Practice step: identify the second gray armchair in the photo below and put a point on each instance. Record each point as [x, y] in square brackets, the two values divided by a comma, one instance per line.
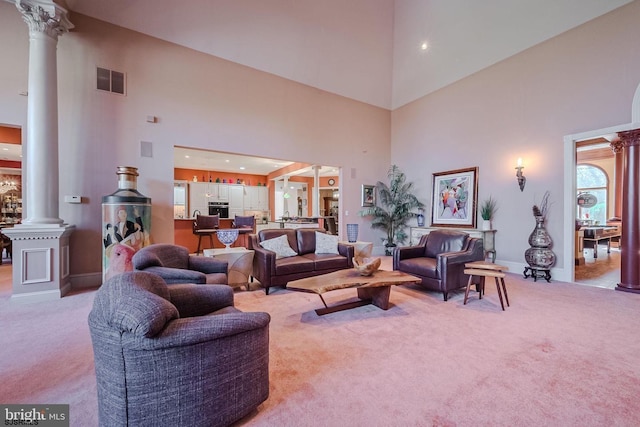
[174, 264]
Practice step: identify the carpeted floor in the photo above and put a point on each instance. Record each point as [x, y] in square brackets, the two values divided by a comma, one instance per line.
[561, 355]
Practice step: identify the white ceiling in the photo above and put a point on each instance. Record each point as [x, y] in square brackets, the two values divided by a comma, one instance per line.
[367, 50]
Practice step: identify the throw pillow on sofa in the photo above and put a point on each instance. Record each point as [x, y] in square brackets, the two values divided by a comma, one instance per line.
[326, 243]
[279, 245]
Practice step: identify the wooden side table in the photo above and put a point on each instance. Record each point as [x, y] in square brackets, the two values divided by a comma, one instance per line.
[482, 270]
[240, 264]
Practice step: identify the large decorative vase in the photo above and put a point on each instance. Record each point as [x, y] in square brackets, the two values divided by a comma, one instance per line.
[540, 255]
[227, 236]
[352, 232]
[126, 223]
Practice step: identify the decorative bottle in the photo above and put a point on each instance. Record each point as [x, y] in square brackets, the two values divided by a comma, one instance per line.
[126, 223]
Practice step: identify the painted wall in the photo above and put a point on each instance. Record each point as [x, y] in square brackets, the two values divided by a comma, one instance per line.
[582, 80]
[200, 101]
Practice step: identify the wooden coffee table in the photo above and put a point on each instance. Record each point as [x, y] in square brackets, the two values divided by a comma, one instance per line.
[374, 289]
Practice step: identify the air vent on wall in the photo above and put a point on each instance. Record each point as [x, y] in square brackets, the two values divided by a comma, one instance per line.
[110, 81]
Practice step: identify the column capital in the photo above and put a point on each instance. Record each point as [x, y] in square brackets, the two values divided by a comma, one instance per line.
[44, 16]
[630, 137]
[616, 146]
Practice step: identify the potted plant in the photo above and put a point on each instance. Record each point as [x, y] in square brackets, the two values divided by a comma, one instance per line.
[488, 209]
[393, 208]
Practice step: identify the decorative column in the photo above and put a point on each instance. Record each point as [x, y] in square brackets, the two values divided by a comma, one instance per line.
[41, 242]
[618, 177]
[316, 191]
[630, 240]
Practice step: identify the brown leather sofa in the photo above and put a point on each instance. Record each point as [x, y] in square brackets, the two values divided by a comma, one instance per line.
[439, 259]
[278, 272]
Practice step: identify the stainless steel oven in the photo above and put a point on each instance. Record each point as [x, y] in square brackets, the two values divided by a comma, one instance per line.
[219, 208]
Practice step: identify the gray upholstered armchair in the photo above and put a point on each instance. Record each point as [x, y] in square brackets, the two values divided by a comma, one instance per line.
[174, 264]
[176, 355]
[439, 259]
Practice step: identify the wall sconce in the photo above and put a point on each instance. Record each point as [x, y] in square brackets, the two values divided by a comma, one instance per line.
[521, 178]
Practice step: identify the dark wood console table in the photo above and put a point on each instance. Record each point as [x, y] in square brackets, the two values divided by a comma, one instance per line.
[594, 235]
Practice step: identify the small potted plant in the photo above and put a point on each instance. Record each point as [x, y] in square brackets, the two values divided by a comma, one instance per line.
[487, 211]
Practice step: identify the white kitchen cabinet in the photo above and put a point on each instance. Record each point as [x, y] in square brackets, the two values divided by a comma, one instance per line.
[221, 192]
[267, 226]
[236, 196]
[256, 198]
[198, 199]
[249, 196]
[263, 199]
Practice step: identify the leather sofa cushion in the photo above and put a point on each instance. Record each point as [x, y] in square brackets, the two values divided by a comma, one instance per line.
[328, 261]
[307, 240]
[421, 266]
[440, 241]
[293, 265]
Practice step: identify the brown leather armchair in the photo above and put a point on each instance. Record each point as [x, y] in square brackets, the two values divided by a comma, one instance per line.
[439, 259]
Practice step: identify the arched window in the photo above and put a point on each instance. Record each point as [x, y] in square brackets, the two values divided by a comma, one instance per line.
[593, 180]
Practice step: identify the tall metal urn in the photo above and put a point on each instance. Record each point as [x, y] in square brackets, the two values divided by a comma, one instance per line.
[126, 223]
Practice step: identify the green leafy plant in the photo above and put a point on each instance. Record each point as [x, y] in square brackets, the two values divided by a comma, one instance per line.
[488, 209]
[393, 209]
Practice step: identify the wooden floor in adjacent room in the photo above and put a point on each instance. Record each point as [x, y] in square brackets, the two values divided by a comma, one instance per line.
[603, 271]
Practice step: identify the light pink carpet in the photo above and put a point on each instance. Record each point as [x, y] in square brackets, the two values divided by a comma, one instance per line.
[561, 355]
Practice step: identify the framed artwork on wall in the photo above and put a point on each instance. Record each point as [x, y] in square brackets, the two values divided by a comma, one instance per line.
[455, 198]
[368, 195]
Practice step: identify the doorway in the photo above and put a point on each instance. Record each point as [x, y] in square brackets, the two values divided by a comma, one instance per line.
[607, 271]
[598, 226]
[10, 185]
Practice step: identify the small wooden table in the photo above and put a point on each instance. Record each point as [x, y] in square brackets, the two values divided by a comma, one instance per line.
[486, 269]
[374, 289]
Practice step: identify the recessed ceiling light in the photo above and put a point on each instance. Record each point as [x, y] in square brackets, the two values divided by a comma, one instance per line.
[5, 149]
[187, 156]
[242, 168]
[424, 46]
[226, 161]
